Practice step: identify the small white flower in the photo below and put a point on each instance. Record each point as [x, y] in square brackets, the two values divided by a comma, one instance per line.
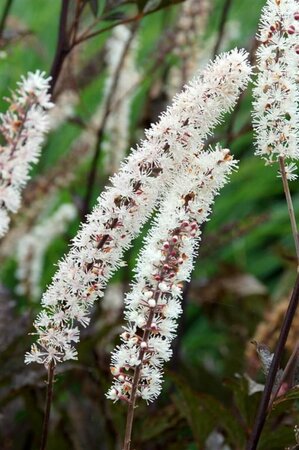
[290, 170]
[23, 128]
[276, 94]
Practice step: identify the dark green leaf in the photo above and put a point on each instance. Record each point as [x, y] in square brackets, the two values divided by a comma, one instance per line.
[204, 413]
[246, 404]
[161, 421]
[277, 440]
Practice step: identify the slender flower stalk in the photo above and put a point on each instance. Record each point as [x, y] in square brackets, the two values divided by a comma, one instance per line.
[23, 127]
[48, 404]
[125, 206]
[276, 124]
[153, 306]
[284, 177]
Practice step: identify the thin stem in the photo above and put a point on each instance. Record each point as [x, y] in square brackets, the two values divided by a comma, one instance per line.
[262, 412]
[132, 403]
[84, 37]
[292, 362]
[48, 404]
[223, 19]
[290, 205]
[137, 371]
[63, 47]
[4, 16]
[287, 374]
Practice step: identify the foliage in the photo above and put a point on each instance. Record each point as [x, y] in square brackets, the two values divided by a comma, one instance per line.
[245, 269]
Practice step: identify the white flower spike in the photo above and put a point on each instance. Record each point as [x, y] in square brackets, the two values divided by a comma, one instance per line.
[276, 94]
[23, 127]
[164, 264]
[124, 207]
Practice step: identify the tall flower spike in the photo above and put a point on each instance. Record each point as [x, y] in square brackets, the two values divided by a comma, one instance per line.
[276, 94]
[23, 127]
[187, 37]
[125, 206]
[153, 306]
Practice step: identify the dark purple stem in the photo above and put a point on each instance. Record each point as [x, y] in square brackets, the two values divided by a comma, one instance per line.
[263, 407]
[63, 47]
[49, 397]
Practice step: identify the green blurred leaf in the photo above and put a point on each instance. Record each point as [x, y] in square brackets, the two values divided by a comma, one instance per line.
[246, 404]
[163, 420]
[277, 439]
[204, 413]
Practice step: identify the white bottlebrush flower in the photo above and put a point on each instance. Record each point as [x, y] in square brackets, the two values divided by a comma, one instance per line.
[121, 51]
[276, 95]
[125, 206]
[32, 247]
[23, 128]
[187, 41]
[153, 306]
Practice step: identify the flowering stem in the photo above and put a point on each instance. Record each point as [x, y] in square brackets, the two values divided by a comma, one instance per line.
[287, 373]
[49, 397]
[294, 356]
[63, 47]
[131, 408]
[143, 349]
[262, 412]
[290, 205]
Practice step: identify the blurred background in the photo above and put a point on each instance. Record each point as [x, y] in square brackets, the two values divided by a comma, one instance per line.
[128, 59]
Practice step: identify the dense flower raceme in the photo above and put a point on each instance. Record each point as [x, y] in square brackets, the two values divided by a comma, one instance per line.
[188, 33]
[61, 175]
[276, 113]
[153, 306]
[23, 127]
[32, 247]
[125, 206]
